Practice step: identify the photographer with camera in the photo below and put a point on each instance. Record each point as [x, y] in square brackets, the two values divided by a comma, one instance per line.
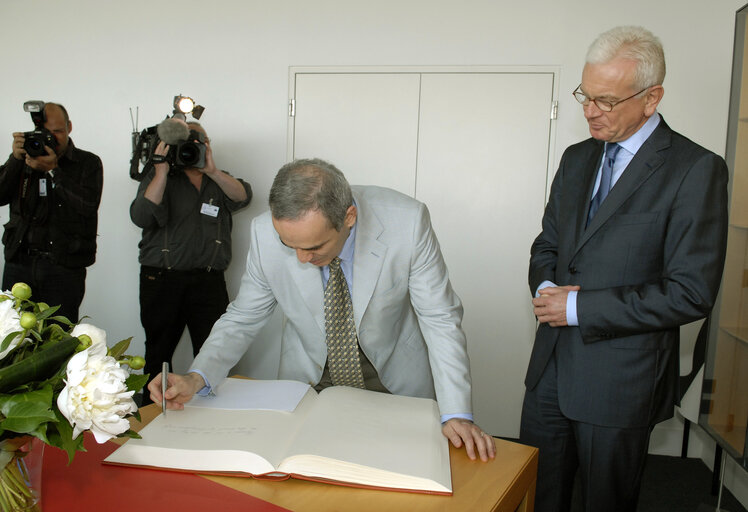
[185, 214]
[54, 190]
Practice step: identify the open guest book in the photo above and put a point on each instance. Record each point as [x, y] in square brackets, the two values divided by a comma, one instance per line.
[342, 435]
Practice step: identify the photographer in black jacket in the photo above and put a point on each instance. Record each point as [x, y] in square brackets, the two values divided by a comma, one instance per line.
[185, 214]
[54, 198]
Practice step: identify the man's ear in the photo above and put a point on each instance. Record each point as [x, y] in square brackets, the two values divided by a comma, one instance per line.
[652, 99]
[350, 216]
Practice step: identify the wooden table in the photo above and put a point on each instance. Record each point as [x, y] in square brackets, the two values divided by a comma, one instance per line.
[505, 484]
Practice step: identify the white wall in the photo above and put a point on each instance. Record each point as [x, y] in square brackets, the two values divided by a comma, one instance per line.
[99, 58]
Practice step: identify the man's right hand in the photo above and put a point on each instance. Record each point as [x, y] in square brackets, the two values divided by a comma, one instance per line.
[180, 390]
[18, 152]
[162, 149]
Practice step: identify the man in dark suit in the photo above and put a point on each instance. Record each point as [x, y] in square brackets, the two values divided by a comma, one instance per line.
[632, 247]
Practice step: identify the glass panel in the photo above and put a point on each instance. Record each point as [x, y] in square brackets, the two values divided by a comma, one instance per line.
[724, 411]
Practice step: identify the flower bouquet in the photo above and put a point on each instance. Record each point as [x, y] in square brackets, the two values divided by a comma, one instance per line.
[57, 380]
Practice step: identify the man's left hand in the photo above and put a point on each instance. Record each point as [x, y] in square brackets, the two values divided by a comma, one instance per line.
[210, 166]
[550, 307]
[464, 432]
[43, 163]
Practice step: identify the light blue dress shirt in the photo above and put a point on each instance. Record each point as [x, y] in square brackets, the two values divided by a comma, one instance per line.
[629, 147]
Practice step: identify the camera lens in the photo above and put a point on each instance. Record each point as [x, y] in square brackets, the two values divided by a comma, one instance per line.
[189, 154]
[34, 147]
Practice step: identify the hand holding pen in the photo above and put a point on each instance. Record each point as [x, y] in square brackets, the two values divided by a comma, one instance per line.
[179, 389]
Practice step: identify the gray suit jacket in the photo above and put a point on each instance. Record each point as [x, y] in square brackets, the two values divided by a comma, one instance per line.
[407, 315]
[650, 261]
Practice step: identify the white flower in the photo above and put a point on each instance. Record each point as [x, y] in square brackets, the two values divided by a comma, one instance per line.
[95, 396]
[9, 322]
[98, 336]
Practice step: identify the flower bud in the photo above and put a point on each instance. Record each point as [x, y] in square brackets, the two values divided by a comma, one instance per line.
[85, 342]
[135, 362]
[28, 320]
[21, 291]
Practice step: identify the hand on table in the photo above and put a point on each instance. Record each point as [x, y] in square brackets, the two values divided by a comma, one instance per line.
[464, 432]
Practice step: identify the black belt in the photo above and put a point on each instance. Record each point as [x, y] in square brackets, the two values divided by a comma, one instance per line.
[191, 272]
[36, 253]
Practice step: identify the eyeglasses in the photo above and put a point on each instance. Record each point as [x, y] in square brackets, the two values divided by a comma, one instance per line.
[604, 105]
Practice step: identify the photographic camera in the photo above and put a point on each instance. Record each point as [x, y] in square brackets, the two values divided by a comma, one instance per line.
[190, 153]
[36, 140]
[187, 148]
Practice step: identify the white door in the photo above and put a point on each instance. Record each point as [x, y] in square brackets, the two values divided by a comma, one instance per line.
[365, 124]
[473, 146]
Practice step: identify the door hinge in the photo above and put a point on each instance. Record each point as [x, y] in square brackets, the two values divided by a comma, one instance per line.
[554, 109]
[292, 108]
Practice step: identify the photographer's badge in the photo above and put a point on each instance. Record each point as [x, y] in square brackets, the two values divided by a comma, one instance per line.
[43, 187]
[209, 209]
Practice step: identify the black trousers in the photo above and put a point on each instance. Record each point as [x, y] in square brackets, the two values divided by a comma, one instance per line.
[172, 300]
[49, 282]
[610, 460]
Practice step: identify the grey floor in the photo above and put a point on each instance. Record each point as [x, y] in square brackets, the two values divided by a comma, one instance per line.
[674, 484]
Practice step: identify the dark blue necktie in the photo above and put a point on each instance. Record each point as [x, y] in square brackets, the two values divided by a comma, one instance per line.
[611, 150]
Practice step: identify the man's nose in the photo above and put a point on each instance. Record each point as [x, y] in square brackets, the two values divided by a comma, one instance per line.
[304, 256]
[591, 110]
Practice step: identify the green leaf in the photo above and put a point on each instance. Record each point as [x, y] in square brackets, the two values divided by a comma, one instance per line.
[62, 320]
[6, 341]
[25, 412]
[54, 332]
[119, 349]
[42, 315]
[41, 432]
[130, 434]
[135, 382]
[61, 436]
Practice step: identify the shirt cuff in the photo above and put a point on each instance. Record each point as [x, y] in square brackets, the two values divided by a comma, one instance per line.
[464, 416]
[544, 284]
[206, 390]
[571, 309]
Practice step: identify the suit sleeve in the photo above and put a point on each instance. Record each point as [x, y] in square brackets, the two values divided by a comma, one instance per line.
[10, 175]
[82, 193]
[692, 252]
[439, 313]
[544, 250]
[234, 332]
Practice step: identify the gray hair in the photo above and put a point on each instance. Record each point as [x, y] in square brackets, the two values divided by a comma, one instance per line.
[634, 43]
[308, 185]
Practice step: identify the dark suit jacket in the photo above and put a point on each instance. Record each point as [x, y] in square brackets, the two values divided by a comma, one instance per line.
[650, 261]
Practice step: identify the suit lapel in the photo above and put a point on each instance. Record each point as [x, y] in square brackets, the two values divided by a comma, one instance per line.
[646, 161]
[581, 205]
[368, 259]
[308, 280]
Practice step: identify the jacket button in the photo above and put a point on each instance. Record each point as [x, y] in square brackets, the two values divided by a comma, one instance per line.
[572, 270]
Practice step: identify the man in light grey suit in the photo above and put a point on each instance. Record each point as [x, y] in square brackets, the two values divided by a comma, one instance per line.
[615, 277]
[407, 317]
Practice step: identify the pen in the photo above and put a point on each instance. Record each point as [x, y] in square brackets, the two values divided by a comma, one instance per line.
[164, 385]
